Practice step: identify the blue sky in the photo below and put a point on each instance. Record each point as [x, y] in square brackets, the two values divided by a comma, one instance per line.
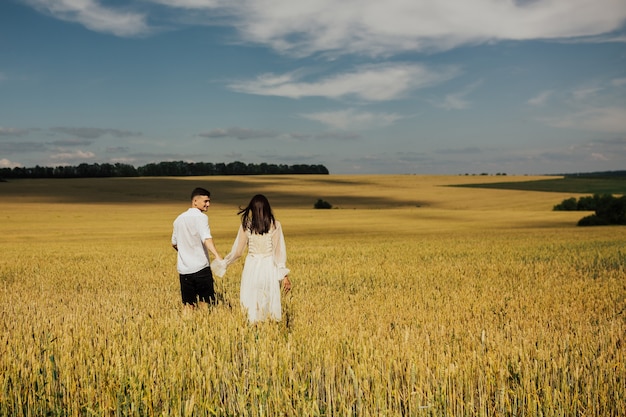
[360, 86]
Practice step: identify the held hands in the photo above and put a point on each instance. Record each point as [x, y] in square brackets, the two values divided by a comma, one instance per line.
[218, 267]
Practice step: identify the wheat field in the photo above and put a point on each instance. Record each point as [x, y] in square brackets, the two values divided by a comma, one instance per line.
[410, 298]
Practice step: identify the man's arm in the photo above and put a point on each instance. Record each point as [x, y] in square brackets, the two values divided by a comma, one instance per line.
[210, 246]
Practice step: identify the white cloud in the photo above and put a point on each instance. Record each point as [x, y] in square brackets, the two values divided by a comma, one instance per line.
[239, 133]
[71, 142]
[454, 102]
[193, 4]
[5, 163]
[12, 131]
[352, 119]
[368, 27]
[460, 151]
[457, 101]
[541, 98]
[369, 82]
[94, 16]
[73, 156]
[599, 157]
[585, 92]
[337, 135]
[372, 27]
[603, 38]
[618, 82]
[93, 132]
[602, 119]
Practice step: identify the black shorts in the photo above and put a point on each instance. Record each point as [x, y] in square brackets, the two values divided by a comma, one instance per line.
[197, 287]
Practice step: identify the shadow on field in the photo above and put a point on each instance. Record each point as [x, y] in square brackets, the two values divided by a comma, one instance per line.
[284, 191]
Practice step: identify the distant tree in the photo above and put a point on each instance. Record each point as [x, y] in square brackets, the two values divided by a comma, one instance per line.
[321, 204]
[125, 170]
[64, 172]
[236, 168]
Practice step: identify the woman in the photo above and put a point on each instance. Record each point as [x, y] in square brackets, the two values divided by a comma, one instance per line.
[264, 268]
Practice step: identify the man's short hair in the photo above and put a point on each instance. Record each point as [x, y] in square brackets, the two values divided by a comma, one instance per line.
[199, 191]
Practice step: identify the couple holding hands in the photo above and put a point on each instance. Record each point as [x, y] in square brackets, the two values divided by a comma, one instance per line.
[264, 269]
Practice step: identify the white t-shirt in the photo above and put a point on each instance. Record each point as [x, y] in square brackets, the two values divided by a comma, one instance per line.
[191, 229]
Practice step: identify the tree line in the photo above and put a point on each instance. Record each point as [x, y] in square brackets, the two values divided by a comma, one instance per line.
[161, 169]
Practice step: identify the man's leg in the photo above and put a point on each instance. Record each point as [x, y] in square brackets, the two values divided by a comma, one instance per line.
[188, 289]
[205, 290]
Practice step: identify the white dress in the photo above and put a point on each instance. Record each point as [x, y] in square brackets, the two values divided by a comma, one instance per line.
[263, 270]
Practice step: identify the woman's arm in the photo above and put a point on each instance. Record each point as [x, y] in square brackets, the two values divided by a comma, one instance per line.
[280, 251]
[238, 246]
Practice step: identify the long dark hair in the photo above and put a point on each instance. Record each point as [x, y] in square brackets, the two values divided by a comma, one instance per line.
[257, 216]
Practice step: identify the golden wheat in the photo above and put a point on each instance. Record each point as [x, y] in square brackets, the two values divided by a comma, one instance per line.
[410, 299]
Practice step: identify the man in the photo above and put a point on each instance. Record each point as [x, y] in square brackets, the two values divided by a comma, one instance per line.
[192, 240]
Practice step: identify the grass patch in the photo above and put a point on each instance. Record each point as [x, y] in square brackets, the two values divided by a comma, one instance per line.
[561, 185]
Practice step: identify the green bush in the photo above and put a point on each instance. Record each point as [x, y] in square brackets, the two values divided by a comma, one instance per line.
[612, 209]
[608, 210]
[569, 204]
[321, 204]
[593, 220]
[588, 203]
[583, 204]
